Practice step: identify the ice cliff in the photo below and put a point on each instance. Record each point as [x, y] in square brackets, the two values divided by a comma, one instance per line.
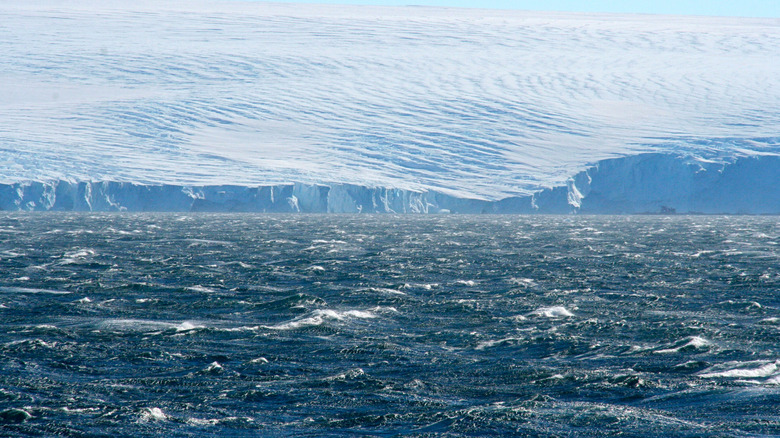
[646, 183]
[669, 183]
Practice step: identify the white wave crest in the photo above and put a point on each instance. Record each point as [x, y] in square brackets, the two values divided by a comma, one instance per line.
[152, 414]
[744, 370]
[321, 316]
[552, 312]
[691, 343]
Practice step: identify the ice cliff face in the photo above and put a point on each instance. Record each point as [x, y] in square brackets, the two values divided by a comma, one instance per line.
[283, 198]
[668, 183]
[203, 105]
[647, 183]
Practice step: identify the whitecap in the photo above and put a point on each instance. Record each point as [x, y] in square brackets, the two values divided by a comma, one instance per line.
[73, 257]
[216, 421]
[359, 314]
[70, 410]
[33, 343]
[81, 253]
[320, 316]
[428, 286]
[150, 326]
[743, 370]
[201, 289]
[553, 312]
[693, 343]
[213, 368]
[187, 326]
[386, 291]
[201, 242]
[133, 325]
[29, 290]
[469, 283]
[383, 309]
[202, 422]
[524, 282]
[349, 375]
[152, 414]
[244, 328]
[493, 343]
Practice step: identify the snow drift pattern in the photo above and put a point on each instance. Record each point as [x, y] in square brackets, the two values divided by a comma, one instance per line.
[468, 104]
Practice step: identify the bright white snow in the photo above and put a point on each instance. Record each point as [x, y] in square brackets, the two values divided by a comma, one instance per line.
[472, 103]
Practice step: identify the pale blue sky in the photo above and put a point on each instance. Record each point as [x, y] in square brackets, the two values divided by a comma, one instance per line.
[744, 8]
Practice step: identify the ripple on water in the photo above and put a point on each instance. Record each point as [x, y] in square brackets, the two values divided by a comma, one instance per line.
[427, 326]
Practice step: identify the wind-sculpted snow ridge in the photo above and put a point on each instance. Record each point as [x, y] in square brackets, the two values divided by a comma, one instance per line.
[645, 183]
[463, 104]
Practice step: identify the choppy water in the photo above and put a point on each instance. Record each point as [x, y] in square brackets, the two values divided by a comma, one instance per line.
[275, 325]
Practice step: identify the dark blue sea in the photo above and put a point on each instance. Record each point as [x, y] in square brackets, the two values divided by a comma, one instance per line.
[183, 325]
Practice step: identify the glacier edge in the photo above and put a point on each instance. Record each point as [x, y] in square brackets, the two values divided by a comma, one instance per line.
[644, 183]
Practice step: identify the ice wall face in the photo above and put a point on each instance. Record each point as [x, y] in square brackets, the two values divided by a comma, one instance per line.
[283, 198]
[669, 183]
[646, 183]
[475, 104]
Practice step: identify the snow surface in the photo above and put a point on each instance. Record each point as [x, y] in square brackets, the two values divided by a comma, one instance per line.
[465, 108]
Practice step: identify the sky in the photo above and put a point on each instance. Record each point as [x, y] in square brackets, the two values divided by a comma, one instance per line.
[741, 8]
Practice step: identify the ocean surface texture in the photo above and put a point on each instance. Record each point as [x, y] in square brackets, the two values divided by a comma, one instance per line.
[311, 325]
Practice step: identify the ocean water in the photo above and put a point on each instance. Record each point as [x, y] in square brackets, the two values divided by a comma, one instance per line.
[328, 325]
